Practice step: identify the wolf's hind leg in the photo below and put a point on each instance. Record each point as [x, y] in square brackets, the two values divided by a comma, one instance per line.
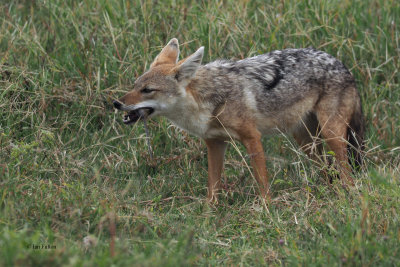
[334, 131]
[307, 135]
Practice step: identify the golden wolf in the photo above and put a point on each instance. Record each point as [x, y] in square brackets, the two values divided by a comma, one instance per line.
[305, 92]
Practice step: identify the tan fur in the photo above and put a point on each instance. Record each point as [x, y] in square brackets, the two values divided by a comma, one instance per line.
[168, 55]
[216, 151]
[251, 139]
[131, 98]
[192, 91]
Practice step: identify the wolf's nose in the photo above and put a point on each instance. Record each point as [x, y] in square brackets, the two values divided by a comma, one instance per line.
[117, 104]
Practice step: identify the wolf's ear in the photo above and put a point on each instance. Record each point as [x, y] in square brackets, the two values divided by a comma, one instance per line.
[189, 65]
[168, 55]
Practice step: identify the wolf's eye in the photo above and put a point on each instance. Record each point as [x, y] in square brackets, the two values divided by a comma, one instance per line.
[146, 90]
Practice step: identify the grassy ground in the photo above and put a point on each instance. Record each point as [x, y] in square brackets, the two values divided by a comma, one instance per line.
[77, 181]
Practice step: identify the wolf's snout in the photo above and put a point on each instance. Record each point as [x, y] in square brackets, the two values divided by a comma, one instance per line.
[117, 104]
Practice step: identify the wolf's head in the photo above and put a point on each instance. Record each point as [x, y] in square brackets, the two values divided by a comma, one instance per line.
[159, 89]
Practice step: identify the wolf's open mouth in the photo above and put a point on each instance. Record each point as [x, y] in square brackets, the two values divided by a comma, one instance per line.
[137, 114]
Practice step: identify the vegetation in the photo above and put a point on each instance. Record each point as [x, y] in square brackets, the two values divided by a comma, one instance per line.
[77, 187]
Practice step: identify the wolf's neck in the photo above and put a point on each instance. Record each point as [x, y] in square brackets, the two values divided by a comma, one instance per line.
[210, 86]
[190, 115]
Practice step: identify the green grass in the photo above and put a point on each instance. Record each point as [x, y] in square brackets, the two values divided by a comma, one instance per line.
[70, 169]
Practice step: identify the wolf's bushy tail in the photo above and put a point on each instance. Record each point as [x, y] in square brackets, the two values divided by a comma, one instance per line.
[355, 137]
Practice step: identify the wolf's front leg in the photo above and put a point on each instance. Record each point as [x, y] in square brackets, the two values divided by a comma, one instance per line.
[216, 152]
[253, 144]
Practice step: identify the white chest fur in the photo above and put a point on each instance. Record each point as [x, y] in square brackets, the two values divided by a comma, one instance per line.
[196, 124]
[188, 116]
